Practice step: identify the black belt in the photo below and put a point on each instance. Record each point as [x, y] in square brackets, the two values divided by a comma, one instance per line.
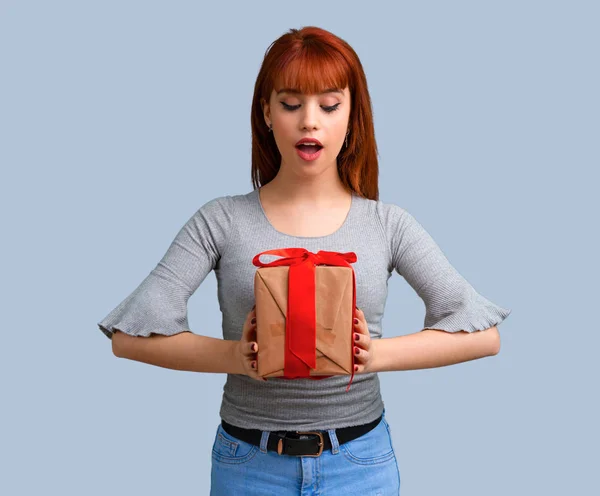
[299, 443]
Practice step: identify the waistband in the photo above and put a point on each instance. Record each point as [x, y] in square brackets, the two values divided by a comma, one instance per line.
[300, 443]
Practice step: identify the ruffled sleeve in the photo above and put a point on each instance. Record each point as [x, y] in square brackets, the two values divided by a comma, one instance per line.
[451, 302]
[159, 304]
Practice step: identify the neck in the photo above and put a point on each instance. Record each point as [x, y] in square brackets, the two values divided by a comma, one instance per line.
[315, 190]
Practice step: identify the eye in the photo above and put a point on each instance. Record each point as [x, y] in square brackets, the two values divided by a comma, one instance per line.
[291, 108]
[332, 108]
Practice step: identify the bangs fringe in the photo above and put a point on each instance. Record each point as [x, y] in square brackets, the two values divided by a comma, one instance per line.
[311, 71]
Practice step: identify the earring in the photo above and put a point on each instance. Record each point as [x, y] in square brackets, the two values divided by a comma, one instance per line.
[270, 127]
[347, 138]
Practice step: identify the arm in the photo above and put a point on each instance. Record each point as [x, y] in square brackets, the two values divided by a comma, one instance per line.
[431, 348]
[158, 306]
[182, 351]
[460, 324]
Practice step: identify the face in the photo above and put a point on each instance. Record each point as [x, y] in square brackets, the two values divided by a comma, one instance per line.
[295, 116]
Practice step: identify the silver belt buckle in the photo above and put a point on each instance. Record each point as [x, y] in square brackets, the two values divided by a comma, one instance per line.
[321, 443]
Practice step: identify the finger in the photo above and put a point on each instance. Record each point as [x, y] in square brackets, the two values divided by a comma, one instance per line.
[359, 324]
[362, 329]
[360, 355]
[254, 371]
[253, 368]
[359, 338]
[364, 343]
[251, 348]
[361, 318]
[249, 327]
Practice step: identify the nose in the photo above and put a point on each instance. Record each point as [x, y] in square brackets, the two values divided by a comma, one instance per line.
[309, 119]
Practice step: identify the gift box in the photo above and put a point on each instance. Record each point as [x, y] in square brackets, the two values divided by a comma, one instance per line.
[305, 307]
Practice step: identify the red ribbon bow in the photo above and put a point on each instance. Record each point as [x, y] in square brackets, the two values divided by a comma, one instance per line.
[301, 347]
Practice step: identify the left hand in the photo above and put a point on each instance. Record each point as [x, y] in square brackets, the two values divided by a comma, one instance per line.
[364, 358]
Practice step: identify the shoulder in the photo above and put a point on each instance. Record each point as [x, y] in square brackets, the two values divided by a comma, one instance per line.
[220, 208]
[390, 212]
[227, 203]
[398, 224]
[390, 215]
[216, 205]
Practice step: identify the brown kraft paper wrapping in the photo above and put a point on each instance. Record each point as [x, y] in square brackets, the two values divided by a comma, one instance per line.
[334, 315]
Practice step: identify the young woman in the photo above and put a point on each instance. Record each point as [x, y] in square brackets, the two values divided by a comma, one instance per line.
[314, 160]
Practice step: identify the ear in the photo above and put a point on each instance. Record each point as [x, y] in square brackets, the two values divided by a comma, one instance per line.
[266, 111]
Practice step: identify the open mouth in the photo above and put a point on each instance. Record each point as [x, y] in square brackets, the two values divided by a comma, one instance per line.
[309, 149]
[309, 153]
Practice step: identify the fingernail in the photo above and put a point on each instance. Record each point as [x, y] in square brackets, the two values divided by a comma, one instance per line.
[254, 347]
[253, 321]
[253, 365]
[356, 337]
[356, 350]
[356, 321]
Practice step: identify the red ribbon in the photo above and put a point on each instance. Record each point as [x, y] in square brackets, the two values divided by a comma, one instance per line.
[301, 318]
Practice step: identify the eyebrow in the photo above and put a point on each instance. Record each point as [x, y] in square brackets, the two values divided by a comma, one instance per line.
[295, 91]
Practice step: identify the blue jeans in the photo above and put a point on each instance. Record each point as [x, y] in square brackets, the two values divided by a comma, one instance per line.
[365, 466]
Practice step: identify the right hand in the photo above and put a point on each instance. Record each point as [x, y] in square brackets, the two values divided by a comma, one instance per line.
[245, 353]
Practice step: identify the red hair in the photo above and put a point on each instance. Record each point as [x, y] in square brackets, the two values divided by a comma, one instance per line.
[313, 60]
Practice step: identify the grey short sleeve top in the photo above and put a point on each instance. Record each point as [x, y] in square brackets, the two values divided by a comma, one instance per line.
[227, 232]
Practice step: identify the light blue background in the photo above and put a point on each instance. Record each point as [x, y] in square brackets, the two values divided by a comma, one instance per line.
[119, 119]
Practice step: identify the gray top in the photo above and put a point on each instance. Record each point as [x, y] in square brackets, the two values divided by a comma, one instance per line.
[227, 232]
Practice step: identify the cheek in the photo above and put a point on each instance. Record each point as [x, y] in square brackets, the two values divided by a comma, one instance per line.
[340, 125]
[286, 134]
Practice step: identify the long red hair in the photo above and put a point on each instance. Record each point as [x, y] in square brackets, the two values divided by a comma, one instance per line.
[312, 60]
